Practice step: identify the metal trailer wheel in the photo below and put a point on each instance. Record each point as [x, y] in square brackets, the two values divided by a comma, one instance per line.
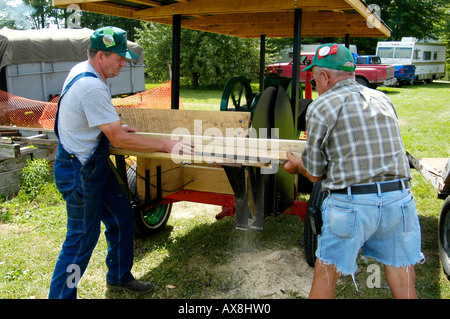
[149, 220]
[310, 238]
[444, 237]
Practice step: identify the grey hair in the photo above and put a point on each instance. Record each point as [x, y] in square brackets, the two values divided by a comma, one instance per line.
[334, 72]
[91, 52]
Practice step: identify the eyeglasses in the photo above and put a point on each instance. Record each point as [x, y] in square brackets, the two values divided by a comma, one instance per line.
[313, 80]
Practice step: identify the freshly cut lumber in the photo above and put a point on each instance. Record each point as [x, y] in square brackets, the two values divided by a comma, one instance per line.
[258, 152]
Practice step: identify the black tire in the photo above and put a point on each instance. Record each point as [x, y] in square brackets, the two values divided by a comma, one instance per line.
[309, 241]
[362, 81]
[148, 220]
[444, 237]
[310, 238]
[151, 220]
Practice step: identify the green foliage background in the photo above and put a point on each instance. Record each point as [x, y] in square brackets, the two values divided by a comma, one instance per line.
[207, 59]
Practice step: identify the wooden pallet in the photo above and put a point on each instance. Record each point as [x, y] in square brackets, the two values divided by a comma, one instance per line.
[17, 147]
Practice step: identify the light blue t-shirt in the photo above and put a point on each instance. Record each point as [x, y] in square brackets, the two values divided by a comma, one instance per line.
[85, 106]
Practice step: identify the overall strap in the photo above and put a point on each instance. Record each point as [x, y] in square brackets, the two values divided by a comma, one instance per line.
[65, 89]
[76, 78]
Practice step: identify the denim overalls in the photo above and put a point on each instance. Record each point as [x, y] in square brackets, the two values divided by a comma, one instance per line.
[92, 194]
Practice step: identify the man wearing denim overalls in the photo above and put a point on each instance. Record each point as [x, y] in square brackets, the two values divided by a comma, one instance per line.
[355, 149]
[86, 124]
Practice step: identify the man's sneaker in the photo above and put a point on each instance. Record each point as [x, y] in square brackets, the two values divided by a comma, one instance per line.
[133, 286]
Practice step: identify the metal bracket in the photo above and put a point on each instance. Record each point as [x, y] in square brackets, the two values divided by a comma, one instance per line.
[150, 202]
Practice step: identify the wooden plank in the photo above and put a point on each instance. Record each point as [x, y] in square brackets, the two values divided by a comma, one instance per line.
[308, 32]
[10, 189]
[364, 11]
[277, 22]
[233, 145]
[246, 28]
[446, 173]
[35, 141]
[9, 150]
[201, 7]
[11, 169]
[175, 177]
[67, 2]
[257, 152]
[208, 7]
[435, 170]
[206, 179]
[197, 159]
[148, 3]
[48, 153]
[238, 11]
[171, 176]
[107, 8]
[10, 178]
[275, 18]
[188, 122]
[31, 131]
[21, 161]
[7, 132]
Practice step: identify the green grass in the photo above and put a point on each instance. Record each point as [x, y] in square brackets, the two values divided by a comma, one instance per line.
[195, 256]
[195, 99]
[424, 113]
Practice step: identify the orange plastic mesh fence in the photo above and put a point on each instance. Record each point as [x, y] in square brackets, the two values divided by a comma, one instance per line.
[22, 112]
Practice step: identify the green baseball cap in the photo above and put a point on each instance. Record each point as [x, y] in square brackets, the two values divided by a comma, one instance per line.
[333, 56]
[112, 39]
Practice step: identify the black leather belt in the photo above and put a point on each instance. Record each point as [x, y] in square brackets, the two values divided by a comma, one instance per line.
[372, 188]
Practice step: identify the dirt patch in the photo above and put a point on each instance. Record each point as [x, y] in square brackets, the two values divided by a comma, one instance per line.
[269, 274]
[7, 229]
[256, 273]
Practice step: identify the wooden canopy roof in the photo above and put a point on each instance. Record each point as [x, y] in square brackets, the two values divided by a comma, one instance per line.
[249, 18]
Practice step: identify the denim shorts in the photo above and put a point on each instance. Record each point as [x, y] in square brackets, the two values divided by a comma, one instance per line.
[384, 225]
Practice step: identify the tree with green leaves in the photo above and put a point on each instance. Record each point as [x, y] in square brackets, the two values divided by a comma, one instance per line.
[421, 19]
[40, 14]
[44, 13]
[414, 18]
[207, 59]
[95, 20]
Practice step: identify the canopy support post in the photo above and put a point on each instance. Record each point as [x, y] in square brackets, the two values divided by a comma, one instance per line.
[296, 64]
[176, 39]
[262, 62]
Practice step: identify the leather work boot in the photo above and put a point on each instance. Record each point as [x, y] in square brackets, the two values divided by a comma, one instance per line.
[133, 286]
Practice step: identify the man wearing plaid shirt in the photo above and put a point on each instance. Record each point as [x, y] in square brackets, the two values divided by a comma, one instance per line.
[355, 148]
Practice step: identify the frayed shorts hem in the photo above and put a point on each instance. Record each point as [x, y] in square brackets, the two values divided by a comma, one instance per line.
[419, 260]
[339, 270]
[345, 272]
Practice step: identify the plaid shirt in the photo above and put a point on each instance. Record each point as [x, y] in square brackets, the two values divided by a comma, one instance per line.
[353, 137]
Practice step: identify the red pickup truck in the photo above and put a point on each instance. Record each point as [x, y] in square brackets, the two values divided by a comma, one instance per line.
[366, 74]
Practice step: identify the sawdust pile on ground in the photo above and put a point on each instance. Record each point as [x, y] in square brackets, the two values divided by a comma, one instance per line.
[259, 273]
[270, 274]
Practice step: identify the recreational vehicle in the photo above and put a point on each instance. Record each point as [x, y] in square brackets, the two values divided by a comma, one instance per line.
[429, 58]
